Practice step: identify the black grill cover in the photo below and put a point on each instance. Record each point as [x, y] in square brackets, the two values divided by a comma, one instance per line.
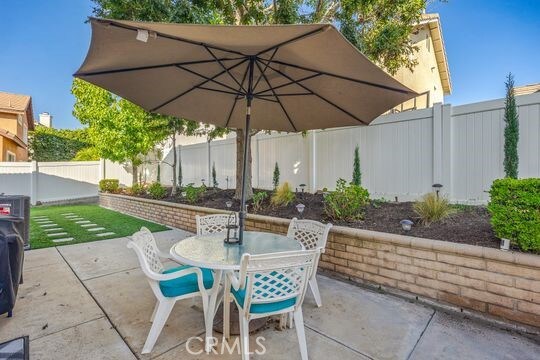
[11, 262]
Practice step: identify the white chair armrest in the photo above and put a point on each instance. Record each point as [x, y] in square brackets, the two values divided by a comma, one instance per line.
[164, 255]
[174, 275]
[235, 282]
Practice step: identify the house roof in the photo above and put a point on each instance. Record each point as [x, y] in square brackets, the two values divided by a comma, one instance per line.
[527, 89]
[433, 21]
[13, 137]
[17, 103]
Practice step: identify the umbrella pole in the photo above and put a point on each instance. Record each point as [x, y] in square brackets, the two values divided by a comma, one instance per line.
[242, 215]
[249, 97]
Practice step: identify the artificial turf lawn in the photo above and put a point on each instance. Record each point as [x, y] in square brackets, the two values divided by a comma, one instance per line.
[121, 224]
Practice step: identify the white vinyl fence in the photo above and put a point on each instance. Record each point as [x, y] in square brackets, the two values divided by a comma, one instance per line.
[47, 182]
[50, 181]
[402, 155]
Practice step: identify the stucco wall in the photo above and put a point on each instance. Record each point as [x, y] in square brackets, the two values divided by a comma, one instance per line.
[9, 122]
[425, 76]
[501, 284]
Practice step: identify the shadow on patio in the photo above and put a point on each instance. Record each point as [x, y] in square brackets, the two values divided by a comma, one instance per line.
[91, 301]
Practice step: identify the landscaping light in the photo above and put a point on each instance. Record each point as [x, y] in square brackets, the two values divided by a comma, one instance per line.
[228, 204]
[437, 188]
[505, 244]
[184, 194]
[300, 208]
[203, 184]
[406, 224]
[302, 186]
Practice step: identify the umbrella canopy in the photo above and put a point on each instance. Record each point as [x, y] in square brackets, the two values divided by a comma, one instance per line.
[279, 77]
[304, 76]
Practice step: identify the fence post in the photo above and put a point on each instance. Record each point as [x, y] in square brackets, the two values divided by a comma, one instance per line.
[209, 181]
[312, 154]
[102, 169]
[34, 183]
[255, 155]
[437, 144]
[446, 156]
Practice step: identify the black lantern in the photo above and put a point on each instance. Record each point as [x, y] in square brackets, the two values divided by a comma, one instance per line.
[232, 228]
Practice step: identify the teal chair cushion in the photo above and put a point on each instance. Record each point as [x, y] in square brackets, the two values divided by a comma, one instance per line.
[240, 296]
[186, 284]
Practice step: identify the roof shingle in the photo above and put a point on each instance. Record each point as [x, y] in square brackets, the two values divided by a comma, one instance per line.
[14, 102]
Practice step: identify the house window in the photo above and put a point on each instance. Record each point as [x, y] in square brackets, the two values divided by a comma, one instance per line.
[10, 157]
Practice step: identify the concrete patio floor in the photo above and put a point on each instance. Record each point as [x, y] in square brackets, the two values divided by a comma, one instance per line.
[91, 301]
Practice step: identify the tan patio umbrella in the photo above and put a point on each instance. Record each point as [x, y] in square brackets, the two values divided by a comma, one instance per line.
[279, 77]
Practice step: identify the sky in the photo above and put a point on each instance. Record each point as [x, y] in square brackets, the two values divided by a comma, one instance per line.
[44, 42]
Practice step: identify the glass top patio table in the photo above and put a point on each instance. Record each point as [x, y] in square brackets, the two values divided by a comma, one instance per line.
[209, 251]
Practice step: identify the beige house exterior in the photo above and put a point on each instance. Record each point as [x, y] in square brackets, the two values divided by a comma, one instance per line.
[16, 119]
[527, 89]
[431, 77]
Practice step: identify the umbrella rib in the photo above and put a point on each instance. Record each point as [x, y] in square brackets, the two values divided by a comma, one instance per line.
[289, 83]
[225, 68]
[231, 111]
[289, 94]
[171, 37]
[340, 76]
[264, 70]
[236, 97]
[220, 91]
[207, 78]
[265, 98]
[195, 87]
[320, 97]
[277, 98]
[149, 67]
[296, 38]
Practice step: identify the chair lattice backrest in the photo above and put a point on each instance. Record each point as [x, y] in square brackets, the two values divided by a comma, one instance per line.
[213, 224]
[145, 246]
[276, 277]
[311, 234]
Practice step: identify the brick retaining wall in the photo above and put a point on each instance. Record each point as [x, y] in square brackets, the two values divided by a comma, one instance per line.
[502, 284]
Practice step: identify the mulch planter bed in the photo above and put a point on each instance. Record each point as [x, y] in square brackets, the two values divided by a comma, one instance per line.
[468, 225]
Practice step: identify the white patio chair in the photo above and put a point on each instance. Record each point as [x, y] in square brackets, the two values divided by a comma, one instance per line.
[169, 285]
[313, 236]
[267, 285]
[213, 224]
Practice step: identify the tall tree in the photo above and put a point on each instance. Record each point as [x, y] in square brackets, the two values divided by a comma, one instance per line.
[381, 29]
[120, 130]
[175, 126]
[357, 174]
[511, 130]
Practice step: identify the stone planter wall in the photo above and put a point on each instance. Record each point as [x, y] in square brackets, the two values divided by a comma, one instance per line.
[501, 284]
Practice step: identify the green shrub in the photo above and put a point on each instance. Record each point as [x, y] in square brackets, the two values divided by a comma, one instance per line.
[357, 174]
[275, 176]
[515, 211]
[50, 144]
[432, 208]
[258, 199]
[136, 189]
[347, 202]
[109, 185]
[157, 191]
[283, 195]
[214, 176]
[193, 193]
